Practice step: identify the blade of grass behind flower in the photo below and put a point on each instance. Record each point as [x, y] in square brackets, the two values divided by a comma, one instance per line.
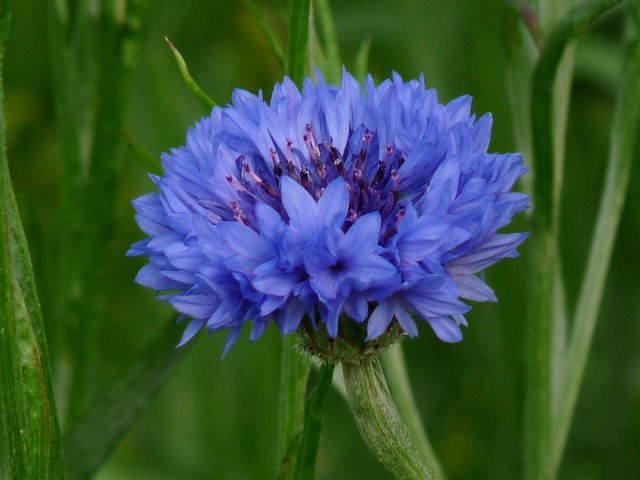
[539, 399]
[333, 69]
[90, 440]
[268, 32]
[361, 62]
[30, 443]
[294, 367]
[623, 137]
[298, 40]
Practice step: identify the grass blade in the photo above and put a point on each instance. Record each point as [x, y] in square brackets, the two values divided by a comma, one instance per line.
[298, 40]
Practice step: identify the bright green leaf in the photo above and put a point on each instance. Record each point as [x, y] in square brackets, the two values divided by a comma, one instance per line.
[188, 79]
[298, 40]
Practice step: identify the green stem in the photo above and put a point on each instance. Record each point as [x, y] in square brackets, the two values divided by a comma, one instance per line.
[380, 423]
[542, 116]
[396, 370]
[623, 136]
[294, 372]
[547, 157]
[304, 463]
[539, 355]
[294, 367]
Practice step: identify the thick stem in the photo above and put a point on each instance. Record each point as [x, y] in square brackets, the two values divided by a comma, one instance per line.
[395, 367]
[379, 421]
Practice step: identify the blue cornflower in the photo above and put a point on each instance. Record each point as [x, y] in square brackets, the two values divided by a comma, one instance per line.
[340, 213]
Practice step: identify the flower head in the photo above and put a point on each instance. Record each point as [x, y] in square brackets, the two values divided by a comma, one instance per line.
[331, 211]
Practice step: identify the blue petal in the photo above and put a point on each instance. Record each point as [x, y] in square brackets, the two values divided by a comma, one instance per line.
[473, 288]
[379, 320]
[446, 329]
[334, 204]
[357, 307]
[192, 329]
[196, 306]
[300, 207]
[406, 321]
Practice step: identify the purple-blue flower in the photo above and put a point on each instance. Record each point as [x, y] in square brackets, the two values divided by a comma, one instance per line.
[379, 207]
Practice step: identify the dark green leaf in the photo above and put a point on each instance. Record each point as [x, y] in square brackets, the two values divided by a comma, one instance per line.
[92, 438]
[6, 10]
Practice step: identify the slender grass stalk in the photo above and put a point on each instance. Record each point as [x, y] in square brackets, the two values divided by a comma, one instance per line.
[294, 367]
[623, 137]
[268, 32]
[304, 463]
[361, 62]
[540, 397]
[298, 40]
[333, 68]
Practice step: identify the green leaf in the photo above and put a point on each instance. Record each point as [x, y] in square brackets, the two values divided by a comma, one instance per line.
[267, 31]
[6, 11]
[333, 68]
[298, 40]
[188, 79]
[30, 443]
[92, 438]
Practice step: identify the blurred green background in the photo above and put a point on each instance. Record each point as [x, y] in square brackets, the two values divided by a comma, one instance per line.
[217, 419]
